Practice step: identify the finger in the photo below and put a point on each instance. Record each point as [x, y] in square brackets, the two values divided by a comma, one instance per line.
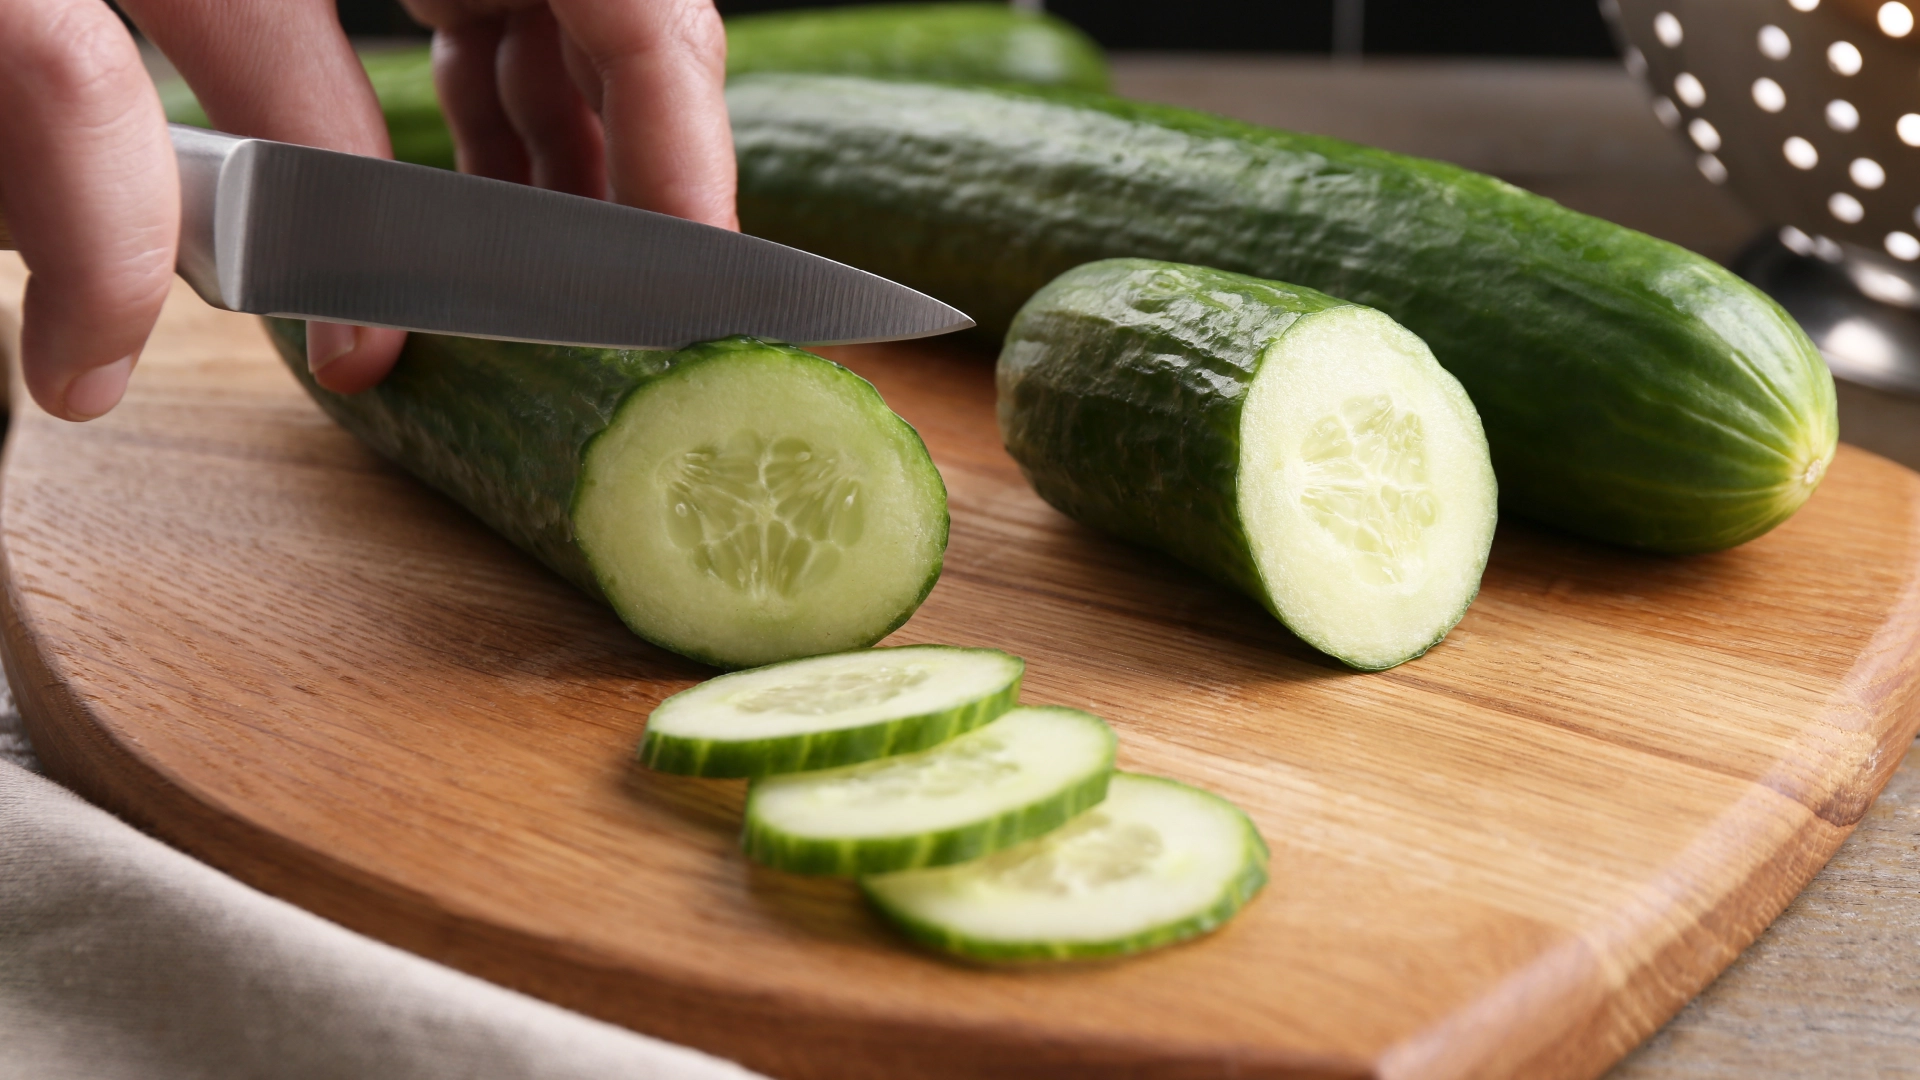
[655, 70]
[281, 71]
[88, 186]
[553, 120]
[348, 359]
[659, 68]
[464, 63]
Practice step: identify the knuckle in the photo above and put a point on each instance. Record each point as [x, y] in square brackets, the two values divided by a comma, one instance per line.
[79, 54]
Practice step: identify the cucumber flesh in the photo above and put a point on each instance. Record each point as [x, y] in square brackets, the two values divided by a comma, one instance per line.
[828, 711]
[1157, 862]
[757, 504]
[1366, 490]
[1018, 777]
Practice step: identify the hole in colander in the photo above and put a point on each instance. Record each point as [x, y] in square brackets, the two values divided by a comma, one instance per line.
[1844, 58]
[1668, 30]
[1691, 92]
[1896, 19]
[1774, 43]
[1768, 95]
[1704, 135]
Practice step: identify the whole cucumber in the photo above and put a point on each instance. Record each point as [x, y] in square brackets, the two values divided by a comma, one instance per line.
[1631, 391]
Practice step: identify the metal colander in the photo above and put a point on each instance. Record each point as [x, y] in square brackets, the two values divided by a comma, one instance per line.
[1809, 112]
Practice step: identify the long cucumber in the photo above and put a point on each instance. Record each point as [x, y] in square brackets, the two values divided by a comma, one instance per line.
[739, 502]
[1306, 450]
[1631, 391]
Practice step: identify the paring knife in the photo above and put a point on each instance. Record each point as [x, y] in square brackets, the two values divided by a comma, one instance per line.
[276, 229]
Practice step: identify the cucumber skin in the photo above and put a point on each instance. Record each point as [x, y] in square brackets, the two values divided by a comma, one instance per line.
[954, 42]
[1239, 892]
[879, 855]
[1631, 391]
[719, 759]
[502, 428]
[950, 42]
[1120, 394]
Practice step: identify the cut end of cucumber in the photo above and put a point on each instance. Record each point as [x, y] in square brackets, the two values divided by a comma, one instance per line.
[1366, 489]
[1156, 863]
[758, 503]
[1019, 776]
[828, 711]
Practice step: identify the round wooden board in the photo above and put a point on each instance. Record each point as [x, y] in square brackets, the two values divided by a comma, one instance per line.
[1515, 856]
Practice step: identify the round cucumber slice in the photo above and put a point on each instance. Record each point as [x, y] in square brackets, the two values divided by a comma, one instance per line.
[1365, 486]
[830, 710]
[1014, 779]
[757, 503]
[1157, 862]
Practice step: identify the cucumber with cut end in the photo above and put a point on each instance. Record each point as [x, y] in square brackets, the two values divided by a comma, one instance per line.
[738, 502]
[1632, 391]
[1020, 776]
[1156, 863]
[828, 711]
[1305, 450]
[952, 42]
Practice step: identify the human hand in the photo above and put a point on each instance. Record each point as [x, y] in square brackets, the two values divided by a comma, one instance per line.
[89, 186]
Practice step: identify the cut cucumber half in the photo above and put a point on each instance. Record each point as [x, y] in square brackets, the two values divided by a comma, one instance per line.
[740, 502]
[1309, 451]
[758, 503]
[830, 710]
[1014, 779]
[1157, 862]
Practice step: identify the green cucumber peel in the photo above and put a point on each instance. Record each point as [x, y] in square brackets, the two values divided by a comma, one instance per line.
[829, 711]
[1023, 775]
[1093, 909]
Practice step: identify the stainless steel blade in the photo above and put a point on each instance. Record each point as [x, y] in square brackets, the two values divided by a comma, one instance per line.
[277, 229]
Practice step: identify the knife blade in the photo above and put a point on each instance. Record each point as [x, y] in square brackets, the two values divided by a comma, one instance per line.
[277, 229]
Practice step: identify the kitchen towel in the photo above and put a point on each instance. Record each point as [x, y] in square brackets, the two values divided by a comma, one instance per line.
[123, 959]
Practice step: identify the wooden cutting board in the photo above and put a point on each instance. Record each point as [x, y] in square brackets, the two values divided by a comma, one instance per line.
[1515, 856]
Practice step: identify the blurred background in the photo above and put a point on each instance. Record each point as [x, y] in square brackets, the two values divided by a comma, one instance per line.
[1403, 27]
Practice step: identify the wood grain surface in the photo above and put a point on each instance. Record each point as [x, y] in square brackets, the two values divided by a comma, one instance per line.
[1514, 857]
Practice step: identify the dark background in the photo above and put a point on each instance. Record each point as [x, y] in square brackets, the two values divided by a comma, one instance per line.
[1403, 27]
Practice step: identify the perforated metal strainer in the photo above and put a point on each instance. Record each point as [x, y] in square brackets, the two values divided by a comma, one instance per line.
[1809, 111]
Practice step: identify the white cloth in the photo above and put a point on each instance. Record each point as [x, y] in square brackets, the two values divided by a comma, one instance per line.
[123, 958]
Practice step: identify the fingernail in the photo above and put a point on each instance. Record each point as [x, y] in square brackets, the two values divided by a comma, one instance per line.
[327, 342]
[92, 393]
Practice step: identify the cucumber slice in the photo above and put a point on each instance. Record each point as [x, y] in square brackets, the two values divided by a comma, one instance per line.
[758, 503]
[1306, 450]
[1157, 862]
[830, 710]
[1014, 779]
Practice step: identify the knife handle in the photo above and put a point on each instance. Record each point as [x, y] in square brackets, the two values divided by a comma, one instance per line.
[201, 155]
